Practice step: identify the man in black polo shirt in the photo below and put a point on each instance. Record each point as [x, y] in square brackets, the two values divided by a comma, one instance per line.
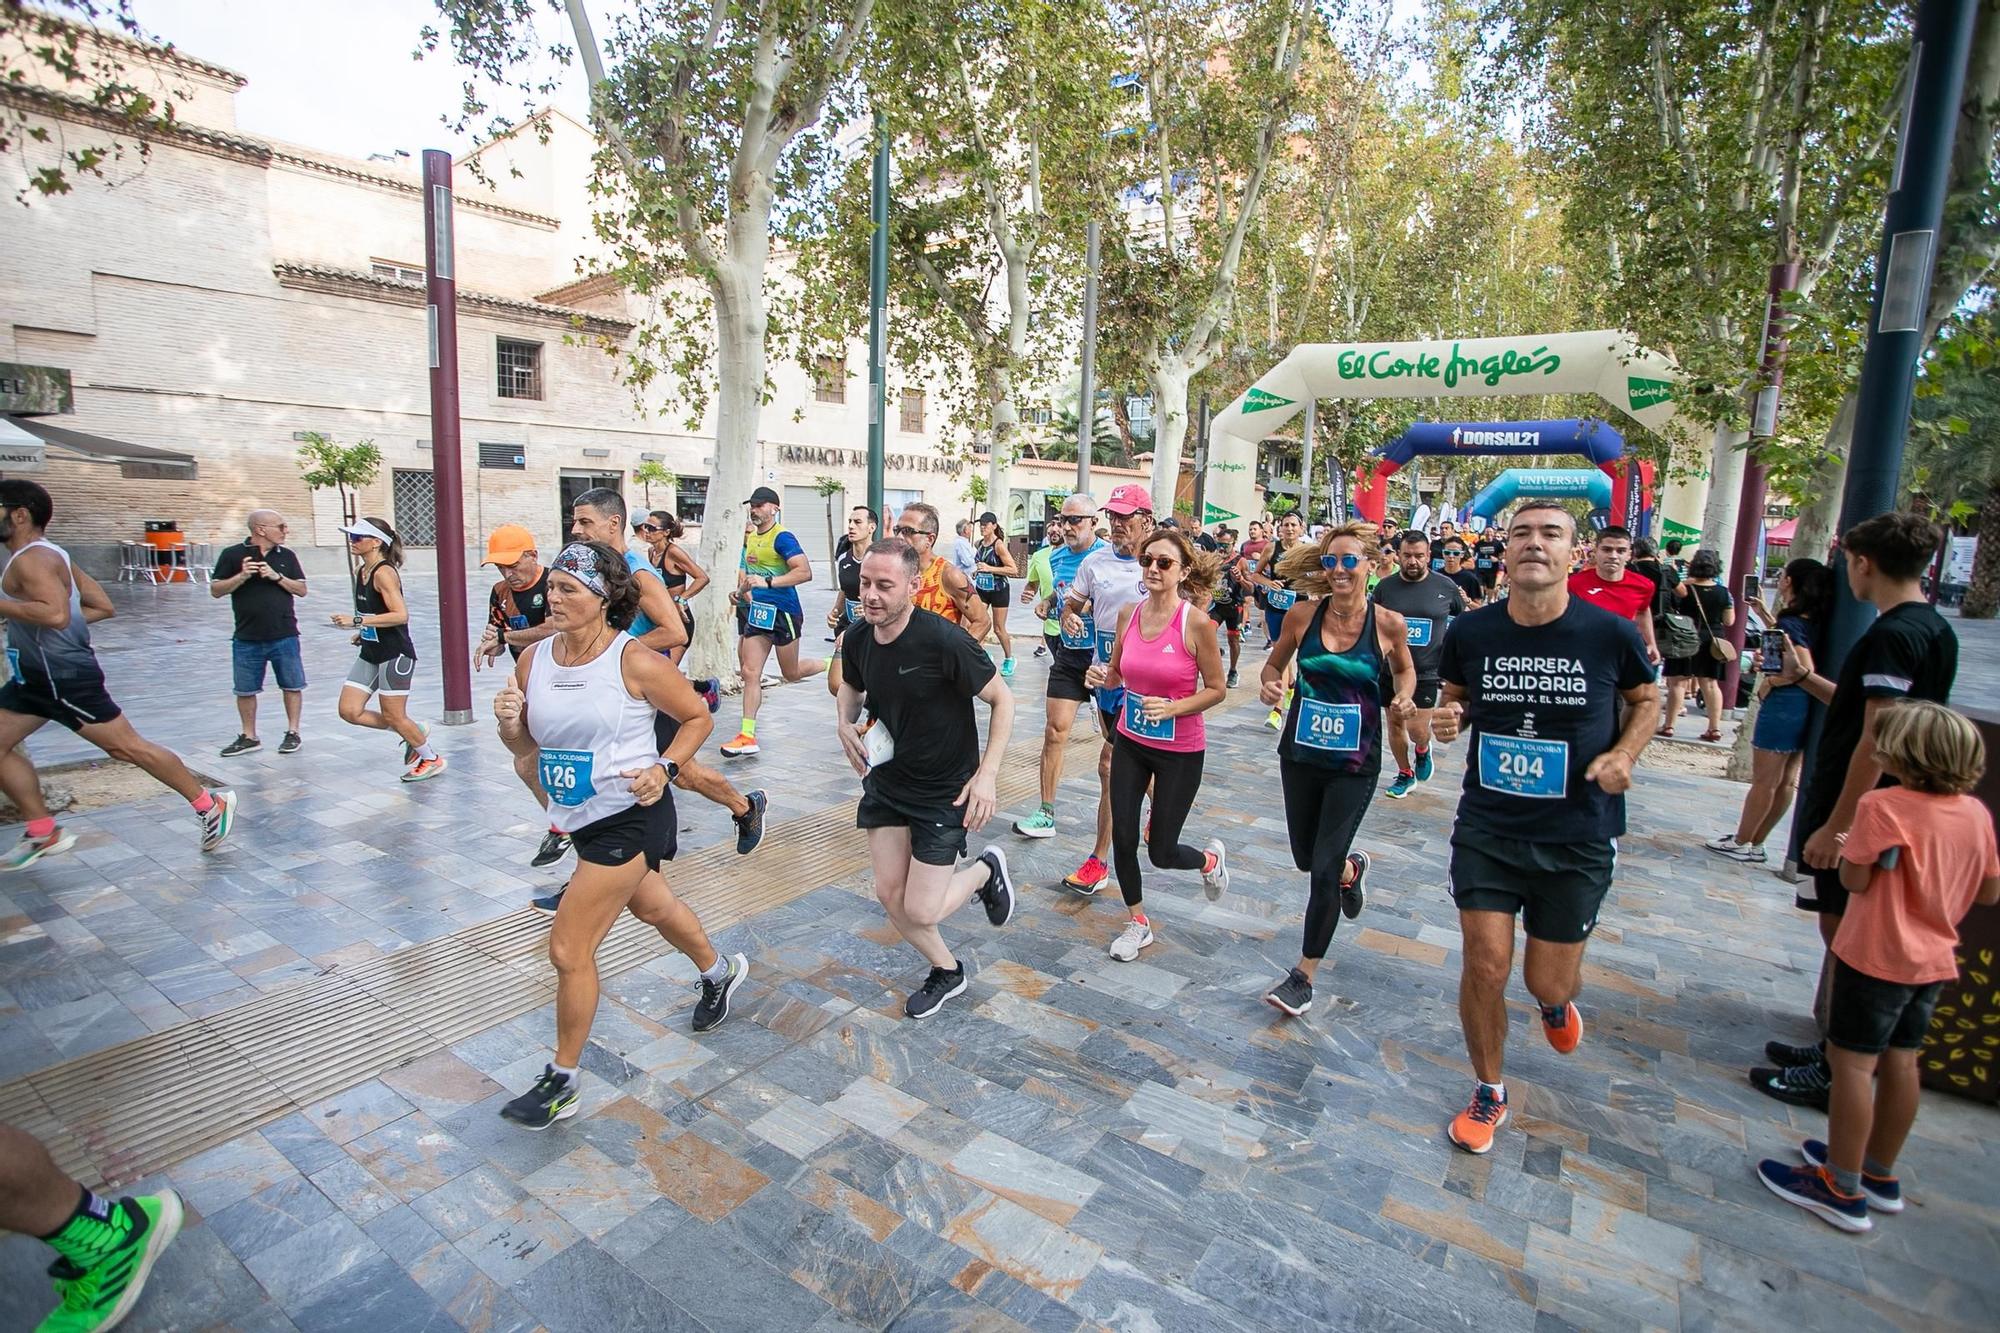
[261, 577]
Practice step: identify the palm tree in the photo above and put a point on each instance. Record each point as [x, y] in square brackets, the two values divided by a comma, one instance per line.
[1954, 457]
[1059, 442]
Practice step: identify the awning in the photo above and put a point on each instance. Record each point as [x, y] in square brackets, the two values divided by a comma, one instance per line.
[1781, 535]
[134, 461]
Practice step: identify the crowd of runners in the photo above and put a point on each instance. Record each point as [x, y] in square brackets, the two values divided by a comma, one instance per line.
[1545, 655]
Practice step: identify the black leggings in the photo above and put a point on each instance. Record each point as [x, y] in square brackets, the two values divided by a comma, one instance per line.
[1175, 776]
[1323, 809]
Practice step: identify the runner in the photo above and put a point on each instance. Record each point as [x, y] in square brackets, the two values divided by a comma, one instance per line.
[105, 1249]
[517, 612]
[1038, 585]
[767, 612]
[684, 579]
[1354, 664]
[1455, 569]
[993, 565]
[1536, 678]
[846, 612]
[1226, 609]
[1486, 553]
[1107, 585]
[942, 588]
[582, 705]
[917, 674]
[1069, 655]
[1426, 600]
[1272, 594]
[54, 676]
[1612, 584]
[1165, 663]
[388, 661]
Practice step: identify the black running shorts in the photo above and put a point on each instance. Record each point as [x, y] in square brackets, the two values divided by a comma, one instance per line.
[1066, 669]
[937, 833]
[75, 701]
[785, 629]
[648, 830]
[1556, 887]
[1426, 695]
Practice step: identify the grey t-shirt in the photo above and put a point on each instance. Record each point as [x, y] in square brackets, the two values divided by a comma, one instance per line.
[1426, 604]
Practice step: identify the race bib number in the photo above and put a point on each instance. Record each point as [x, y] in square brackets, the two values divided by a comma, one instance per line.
[1106, 639]
[1438, 563]
[517, 622]
[1138, 724]
[1284, 599]
[984, 582]
[853, 609]
[1420, 631]
[566, 776]
[370, 635]
[1483, 563]
[763, 616]
[1517, 766]
[1332, 727]
[14, 665]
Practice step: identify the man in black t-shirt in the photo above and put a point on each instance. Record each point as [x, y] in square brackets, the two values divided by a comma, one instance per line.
[846, 612]
[1909, 652]
[1537, 679]
[922, 784]
[1427, 600]
[1486, 554]
[262, 579]
[518, 605]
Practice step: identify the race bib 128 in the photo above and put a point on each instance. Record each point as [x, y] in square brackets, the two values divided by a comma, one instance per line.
[1420, 631]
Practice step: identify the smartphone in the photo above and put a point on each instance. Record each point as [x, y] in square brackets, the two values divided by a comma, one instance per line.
[1772, 645]
[1751, 587]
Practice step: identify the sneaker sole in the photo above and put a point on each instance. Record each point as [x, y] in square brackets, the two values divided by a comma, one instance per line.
[1395, 795]
[1035, 833]
[1121, 958]
[227, 800]
[426, 777]
[291, 750]
[1480, 1151]
[1087, 890]
[555, 905]
[1217, 883]
[737, 978]
[62, 844]
[1818, 1209]
[1576, 1016]
[957, 990]
[1814, 1101]
[1876, 1203]
[1005, 879]
[158, 1237]
[1283, 1008]
[569, 1108]
[232, 754]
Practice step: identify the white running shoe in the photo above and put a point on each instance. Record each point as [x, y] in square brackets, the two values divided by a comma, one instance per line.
[1726, 844]
[1748, 853]
[1137, 935]
[1215, 880]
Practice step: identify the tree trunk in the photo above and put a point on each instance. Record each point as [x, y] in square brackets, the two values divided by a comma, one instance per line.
[1740, 759]
[1813, 535]
[740, 324]
[1167, 376]
[1982, 595]
[1725, 489]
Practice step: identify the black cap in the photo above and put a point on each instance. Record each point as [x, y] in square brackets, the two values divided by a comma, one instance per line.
[763, 495]
[990, 517]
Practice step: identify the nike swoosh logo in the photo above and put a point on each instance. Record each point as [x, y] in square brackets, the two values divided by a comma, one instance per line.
[904, 671]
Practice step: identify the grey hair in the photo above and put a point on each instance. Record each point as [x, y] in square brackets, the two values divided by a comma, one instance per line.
[1084, 496]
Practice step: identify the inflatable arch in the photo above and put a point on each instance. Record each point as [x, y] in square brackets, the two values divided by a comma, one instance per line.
[1628, 490]
[1630, 379]
[1539, 483]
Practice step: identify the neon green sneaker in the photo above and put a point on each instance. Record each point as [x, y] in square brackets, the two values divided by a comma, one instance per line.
[99, 1297]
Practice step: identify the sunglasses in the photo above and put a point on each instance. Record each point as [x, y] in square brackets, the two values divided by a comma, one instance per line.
[647, 527]
[1348, 562]
[907, 532]
[1069, 520]
[353, 537]
[1453, 553]
[1159, 562]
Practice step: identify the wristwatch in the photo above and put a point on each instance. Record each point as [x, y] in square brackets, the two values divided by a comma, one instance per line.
[673, 769]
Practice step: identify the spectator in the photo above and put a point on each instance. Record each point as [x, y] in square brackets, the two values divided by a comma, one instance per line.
[261, 578]
[963, 553]
[1704, 599]
[519, 602]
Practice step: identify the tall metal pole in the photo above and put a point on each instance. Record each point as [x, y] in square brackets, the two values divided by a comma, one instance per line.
[1311, 426]
[878, 303]
[1201, 464]
[1086, 408]
[1903, 270]
[448, 478]
[1748, 543]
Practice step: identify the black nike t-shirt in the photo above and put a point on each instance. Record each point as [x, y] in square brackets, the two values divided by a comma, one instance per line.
[1427, 604]
[1541, 702]
[1909, 652]
[921, 687]
[1468, 583]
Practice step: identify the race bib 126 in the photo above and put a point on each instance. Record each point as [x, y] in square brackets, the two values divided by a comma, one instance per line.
[1324, 726]
[566, 776]
[1518, 766]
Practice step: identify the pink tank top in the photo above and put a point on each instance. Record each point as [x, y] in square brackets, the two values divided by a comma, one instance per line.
[1161, 668]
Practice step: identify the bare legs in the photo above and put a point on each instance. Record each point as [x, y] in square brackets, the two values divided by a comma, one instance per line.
[246, 711]
[1551, 972]
[920, 897]
[1872, 1106]
[394, 715]
[36, 1198]
[595, 896]
[1774, 778]
[1055, 739]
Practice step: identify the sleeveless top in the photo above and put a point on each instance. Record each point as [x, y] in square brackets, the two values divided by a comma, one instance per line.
[931, 594]
[1336, 716]
[676, 578]
[1160, 668]
[58, 654]
[994, 583]
[1268, 567]
[383, 643]
[590, 731]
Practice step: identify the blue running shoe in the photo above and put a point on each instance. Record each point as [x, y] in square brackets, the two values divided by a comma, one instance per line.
[1424, 766]
[1402, 786]
[1884, 1193]
[1811, 1188]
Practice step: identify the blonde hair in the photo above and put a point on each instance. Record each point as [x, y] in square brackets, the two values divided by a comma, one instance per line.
[1929, 748]
[1301, 568]
[1200, 570]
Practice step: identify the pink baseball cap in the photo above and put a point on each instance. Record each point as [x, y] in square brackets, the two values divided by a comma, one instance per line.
[1129, 499]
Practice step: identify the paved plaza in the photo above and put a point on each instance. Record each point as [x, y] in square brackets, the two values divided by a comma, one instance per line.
[1074, 1144]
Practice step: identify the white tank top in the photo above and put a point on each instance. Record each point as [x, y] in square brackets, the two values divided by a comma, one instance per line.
[590, 730]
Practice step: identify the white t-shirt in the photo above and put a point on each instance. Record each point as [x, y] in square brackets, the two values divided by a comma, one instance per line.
[1110, 583]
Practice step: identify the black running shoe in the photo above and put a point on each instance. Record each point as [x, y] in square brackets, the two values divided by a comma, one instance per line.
[1294, 994]
[291, 743]
[1787, 1056]
[1353, 897]
[1801, 1085]
[713, 1006]
[554, 846]
[938, 987]
[750, 824]
[554, 1097]
[998, 895]
[242, 745]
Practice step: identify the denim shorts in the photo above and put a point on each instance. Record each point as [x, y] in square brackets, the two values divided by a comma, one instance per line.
[247, 663]
[1869, 1014]
[1781, 721]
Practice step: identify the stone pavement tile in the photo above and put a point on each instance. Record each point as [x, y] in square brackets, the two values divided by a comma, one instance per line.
[459, 1206]
[1267, 1291]
[514, 1150]
[210, 1181]
[468, 1296]
[1173, 1117]
[875, 1106]
[251, 1226]
[1025, 1245]
[702, 1178]
[590, 1191]
[867, 1214]
[823, 1252]
[516, 1242]
[1739, 1290]
[294, 1267]
[728, 1288]
[353, 1190]
[412, 1156]
[439, 1084]
[88, 1024]
[1488, 1232]
[372, 1296]
[857, 1158]
[799, 1127]
[1033, 1181]
[585, 1290]
[1772, 1228]
[652, 1224]
[348, 1115]
[926, 1193]
[1117, 1295]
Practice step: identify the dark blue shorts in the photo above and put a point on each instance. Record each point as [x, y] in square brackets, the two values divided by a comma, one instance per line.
[247, 663]
[1781, 721]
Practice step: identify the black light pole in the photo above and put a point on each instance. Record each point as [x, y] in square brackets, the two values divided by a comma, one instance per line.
[878, 302]
[441, 298]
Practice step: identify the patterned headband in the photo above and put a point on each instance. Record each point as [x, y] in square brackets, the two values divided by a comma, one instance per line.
[581, 563]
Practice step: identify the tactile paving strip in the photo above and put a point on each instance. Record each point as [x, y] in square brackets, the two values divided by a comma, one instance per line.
[127, 1111]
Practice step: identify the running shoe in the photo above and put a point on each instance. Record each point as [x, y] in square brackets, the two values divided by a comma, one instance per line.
[1426, 766]
[1473, 1128]
[241, 745]
[409, 750]
[938, 987]
[1786, 1056]
[1752, 854]
[1007, 666]
[998, 894]
[30, 850]
[1726, 844]
[1354, 893]
[1231, 682]
[1088, 877]
[713, 1006]
[1801, 1085]
[711, 693]
[1215, 875]
[1041, 651]
[549, 902]
[1565, 1029]
[1041, 824]
[425, 769]
[745, 744]
[1294, 994]
[1402, 786]
[218, 819]
[1276, 721]
[1812, 1188]
[1884, 1193]
[1136, 936]
[554, 1097]
[100, 1296]
[750, 824]
[555, 843]
[291, 743]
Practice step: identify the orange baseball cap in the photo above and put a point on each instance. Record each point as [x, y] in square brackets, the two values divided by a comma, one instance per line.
[509, 542]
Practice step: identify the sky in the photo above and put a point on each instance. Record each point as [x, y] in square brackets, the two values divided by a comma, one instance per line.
[331, 76]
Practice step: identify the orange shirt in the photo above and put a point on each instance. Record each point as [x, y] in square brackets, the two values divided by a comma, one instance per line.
[931, 594]
[1905, 927]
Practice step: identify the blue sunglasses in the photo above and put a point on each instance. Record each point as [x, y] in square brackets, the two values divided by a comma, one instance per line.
[1340, 562]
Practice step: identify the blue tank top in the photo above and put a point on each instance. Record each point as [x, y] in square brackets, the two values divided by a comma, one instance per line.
[1336, 716]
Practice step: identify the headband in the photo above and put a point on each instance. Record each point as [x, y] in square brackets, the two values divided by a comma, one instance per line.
[581, 563]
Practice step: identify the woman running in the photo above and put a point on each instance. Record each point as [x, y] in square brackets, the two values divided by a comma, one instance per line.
[1166, 658]
[993, 564]
[679, 570]
[1353, 661]
[1275, 593]
[582, 703]
[388, 661]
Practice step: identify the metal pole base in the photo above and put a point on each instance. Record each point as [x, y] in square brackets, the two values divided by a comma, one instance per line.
[457, 717]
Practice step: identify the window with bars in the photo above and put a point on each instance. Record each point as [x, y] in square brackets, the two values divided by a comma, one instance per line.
[511, 456]
[389, 268]
[414, 494]
[520, 368]
[913, 411]
[690, 498]
[830, 379]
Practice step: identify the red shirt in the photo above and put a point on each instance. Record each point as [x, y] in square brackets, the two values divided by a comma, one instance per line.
[1624, 599]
